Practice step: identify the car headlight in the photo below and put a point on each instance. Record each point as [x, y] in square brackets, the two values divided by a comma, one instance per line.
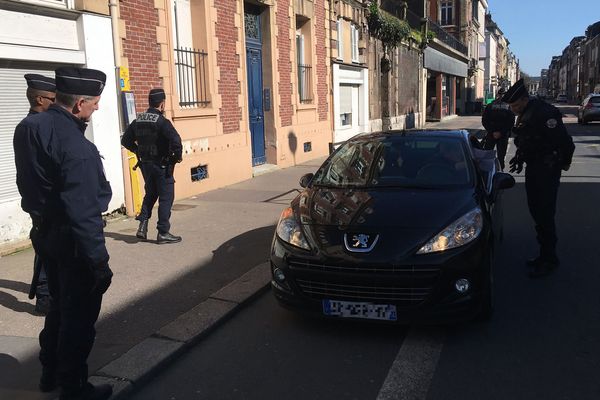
[290, 231]
[462, 231]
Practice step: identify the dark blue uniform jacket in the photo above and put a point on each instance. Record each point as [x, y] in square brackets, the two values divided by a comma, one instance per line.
[61, 178]
[168, 141]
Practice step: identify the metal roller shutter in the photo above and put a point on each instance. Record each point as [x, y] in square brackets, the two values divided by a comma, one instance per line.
[13, 108]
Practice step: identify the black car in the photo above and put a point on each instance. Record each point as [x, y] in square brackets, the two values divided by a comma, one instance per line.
[394, 226]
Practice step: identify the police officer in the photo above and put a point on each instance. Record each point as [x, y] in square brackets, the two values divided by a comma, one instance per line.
[41, 93]
[498, 120]
[158, 148]
[544, 144]
[63, 188]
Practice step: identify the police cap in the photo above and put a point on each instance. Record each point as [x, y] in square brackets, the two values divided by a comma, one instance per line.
[80, 81]
[156, 96]
[40, 82]
[515, 92]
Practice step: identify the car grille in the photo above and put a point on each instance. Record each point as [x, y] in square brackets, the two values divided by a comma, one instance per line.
[396, 270]
[327, 290]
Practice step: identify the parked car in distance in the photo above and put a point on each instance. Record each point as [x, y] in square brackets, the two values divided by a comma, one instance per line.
[589, 110]
[561, 98]
[394, 226]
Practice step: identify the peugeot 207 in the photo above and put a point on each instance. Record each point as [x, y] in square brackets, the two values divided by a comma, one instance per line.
[398, 227]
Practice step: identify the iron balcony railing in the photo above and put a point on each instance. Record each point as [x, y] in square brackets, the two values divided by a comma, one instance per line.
[192, 84]
[442, 35]
[305, 83]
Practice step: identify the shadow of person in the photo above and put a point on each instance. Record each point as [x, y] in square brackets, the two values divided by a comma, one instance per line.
[129, 239]
[14, 285]
[9, 301]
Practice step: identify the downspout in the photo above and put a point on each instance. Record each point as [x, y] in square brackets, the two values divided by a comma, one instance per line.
[114, 18]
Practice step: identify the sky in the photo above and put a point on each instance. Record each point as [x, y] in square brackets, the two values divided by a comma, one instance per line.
[540, 29]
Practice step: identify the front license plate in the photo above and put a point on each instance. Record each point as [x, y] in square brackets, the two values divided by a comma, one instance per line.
[355, 309]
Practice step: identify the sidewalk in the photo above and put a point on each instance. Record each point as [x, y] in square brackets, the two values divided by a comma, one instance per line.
[163, 298]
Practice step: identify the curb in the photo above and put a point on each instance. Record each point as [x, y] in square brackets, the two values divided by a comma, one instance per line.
[146, 359]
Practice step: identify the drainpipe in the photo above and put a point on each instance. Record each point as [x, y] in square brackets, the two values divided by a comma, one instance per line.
[114, 18]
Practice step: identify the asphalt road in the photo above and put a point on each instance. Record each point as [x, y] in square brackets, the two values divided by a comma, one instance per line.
[543, 341]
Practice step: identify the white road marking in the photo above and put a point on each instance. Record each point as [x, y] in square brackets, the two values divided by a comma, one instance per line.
[412, 370]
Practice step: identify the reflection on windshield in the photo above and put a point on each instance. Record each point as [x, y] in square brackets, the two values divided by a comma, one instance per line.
[415, 162]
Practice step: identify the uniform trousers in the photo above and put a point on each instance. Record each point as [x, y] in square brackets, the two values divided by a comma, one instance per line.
[501, 145]
[541, 184]
[69, 332]
[159, 184]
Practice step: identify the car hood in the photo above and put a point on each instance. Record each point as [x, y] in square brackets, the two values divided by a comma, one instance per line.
[384, 208]
[401, 220]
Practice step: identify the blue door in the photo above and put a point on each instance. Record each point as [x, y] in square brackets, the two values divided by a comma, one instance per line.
[255, 87]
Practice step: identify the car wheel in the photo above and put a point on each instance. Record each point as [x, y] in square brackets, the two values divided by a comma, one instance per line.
[487, 301]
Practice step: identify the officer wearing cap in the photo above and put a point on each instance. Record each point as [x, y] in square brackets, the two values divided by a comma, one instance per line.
[158, 148]
[63, 188]
[41, 93]
[545, 146]
[498, 120]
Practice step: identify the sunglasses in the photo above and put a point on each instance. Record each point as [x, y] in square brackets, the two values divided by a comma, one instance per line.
[52, 99]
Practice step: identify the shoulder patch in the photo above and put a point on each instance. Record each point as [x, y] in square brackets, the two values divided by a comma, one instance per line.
[551, 123]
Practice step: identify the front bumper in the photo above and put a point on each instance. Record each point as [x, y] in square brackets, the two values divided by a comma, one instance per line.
[422, 289]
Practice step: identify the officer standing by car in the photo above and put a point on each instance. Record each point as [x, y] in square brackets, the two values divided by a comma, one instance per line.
[63, 188]
[41, 93]
[544, 144]
[158, 148]
[498, 120]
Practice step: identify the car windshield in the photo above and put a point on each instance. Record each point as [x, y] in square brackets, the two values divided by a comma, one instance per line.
[398, 161]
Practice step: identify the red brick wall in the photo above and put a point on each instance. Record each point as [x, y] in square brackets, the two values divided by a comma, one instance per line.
[322, 82]
[284, 64]
[228, 62]
[141, 48]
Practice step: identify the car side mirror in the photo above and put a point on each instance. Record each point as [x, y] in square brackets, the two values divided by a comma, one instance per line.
[502, 180]
[306, 179]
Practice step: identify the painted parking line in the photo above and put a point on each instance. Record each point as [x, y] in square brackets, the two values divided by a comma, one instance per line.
[412, 370]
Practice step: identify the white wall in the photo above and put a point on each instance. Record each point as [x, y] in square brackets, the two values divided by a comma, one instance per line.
[104, 130]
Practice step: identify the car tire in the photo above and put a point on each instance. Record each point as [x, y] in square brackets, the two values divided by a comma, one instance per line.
[487, 301]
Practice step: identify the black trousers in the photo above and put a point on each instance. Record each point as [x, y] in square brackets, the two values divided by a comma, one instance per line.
[500, 144]
[541, 184]
[159, 184]
[69, 329]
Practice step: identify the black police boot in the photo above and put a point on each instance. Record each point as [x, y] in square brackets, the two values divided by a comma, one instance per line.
[89, 392]
[142, 232]
[167, 237]
[47, 380]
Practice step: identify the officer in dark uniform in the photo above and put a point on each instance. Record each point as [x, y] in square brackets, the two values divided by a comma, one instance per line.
[158, 148]
[544, 144]
[41, 93]
[498, 120]
[63, 188]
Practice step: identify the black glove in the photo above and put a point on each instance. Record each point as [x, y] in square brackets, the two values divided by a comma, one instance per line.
[102, 278]
[516, 164]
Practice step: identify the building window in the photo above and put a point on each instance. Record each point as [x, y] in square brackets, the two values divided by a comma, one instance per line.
[191, 63]
[303, 60]
[446, 12]
[354, 41]
[340, 39]
[346, 105]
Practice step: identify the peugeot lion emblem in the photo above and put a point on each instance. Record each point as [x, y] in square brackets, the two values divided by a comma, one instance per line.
[360, 242]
